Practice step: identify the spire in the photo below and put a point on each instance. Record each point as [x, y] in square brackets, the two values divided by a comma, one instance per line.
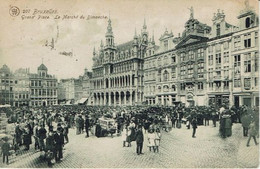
[135, 37]
[144, 26]
[153, 37]
[109, 27]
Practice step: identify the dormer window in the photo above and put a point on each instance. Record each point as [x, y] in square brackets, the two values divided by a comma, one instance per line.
[166, 45]
[218, 29]
[247, 22]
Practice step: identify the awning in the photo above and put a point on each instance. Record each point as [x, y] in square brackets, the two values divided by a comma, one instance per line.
[82, 100]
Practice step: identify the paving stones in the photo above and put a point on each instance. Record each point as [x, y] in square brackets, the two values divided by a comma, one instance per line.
[178, 150]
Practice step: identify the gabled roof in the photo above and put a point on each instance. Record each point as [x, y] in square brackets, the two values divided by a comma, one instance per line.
[191, 39]
[42, 67]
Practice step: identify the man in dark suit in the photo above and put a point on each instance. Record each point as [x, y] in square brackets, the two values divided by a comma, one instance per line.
[194, 126]
[139, 140]
[59, 142]
[87, 125]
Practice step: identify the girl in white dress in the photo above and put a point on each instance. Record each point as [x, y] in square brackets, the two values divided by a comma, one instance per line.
[151, 139]
[157, 139]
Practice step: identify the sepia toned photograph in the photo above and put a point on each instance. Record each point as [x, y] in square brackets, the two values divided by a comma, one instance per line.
[129, 84]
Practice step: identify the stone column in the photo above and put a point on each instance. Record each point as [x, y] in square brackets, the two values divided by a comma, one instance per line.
[115, 99]
[162, 100]
[170, 99]
[109, 99]
[130, 99]
[125, 99]
[119, 99]
[105, 99]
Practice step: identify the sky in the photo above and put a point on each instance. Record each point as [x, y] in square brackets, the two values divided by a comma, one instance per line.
[22, 41]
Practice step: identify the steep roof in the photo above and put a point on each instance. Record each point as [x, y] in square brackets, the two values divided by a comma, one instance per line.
[42, 67]
[125, 46]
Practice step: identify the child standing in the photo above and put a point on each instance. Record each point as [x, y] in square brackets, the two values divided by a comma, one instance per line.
[157, 139]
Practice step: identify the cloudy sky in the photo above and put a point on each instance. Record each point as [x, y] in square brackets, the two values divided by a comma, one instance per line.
[22, 40]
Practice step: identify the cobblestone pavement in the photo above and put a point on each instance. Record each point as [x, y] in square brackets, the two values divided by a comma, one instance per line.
[178, 150]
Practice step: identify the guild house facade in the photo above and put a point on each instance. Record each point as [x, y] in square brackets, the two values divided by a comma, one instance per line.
[43, 88]
[215, 65]
[117, 77]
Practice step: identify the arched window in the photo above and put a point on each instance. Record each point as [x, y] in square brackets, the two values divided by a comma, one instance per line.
[173, 88]
[111, 56]
[165, 60]
[247, 22]
[165, 75]
[159, 61]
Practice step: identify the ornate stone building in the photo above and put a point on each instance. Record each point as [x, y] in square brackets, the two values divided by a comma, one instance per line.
[245, 59]
[160, 71]
[7, 85]
[215, 65]
[118, 70]
[191, 67]
[21, 87]
[43, 88]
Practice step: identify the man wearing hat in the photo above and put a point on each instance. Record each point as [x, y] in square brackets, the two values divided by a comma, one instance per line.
[139, 140]
[59, 142]
[87, 125]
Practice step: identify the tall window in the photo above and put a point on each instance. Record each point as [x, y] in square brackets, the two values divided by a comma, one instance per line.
[247, 83]
[218, 29]
[218, 72]
[200, 86]
[226, 84]
[183, 71]
[159, 76]
[237, 42]
[218, 58]
[210, 72]
[256, 61]
[226, 71]
[256, 81]
[190, 71]
[226, 57]
[182, 58]
[200, 53]
[247, 62]
[247, 22]
[173, 73]
[237, 64]
[166, 45]
[210, 58]
[200, 70]
[237, 83]
[191, 55]
[173, 59]
[247, 41]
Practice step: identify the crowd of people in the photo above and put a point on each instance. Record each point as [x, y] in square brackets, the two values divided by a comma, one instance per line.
[49, 126]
